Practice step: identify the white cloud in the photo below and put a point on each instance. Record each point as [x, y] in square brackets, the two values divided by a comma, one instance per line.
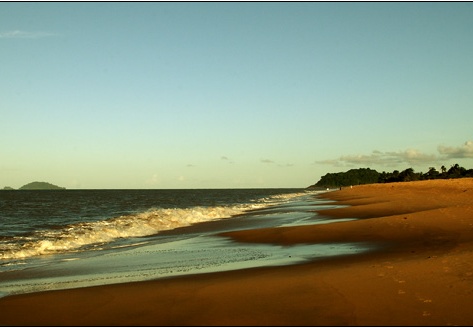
[464, 151]
[408, 156]
[153, 180]
[373, 158]
[413, 156]
[17, 34]
[267, 161]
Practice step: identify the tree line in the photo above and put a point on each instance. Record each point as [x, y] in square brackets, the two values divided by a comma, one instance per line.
[367, 175]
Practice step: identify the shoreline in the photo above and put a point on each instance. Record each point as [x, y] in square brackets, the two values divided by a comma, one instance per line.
[420, 273]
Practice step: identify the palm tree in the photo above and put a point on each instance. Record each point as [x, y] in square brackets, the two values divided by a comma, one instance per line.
[433, 173]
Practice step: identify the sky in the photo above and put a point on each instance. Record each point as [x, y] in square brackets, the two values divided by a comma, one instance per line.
[231, 95]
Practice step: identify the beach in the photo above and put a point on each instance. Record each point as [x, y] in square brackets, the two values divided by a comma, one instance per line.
[419, 272]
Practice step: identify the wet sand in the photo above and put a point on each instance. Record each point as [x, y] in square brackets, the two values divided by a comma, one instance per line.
[419, 273]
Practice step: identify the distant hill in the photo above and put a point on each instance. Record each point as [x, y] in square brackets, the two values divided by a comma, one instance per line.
[351, 177]
[7, 188]
[40, 186]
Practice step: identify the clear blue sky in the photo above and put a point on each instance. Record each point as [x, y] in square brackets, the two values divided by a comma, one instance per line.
[231, 95]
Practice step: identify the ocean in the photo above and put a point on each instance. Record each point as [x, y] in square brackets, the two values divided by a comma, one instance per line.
[76, 238]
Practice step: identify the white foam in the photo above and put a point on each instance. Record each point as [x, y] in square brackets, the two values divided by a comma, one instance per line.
[73, 237]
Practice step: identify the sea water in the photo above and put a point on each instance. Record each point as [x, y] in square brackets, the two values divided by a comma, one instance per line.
[76, 238]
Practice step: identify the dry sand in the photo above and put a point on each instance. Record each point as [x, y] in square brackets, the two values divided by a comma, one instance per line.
[420, 274]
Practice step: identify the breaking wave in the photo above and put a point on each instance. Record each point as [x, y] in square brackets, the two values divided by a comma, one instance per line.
[76, 237]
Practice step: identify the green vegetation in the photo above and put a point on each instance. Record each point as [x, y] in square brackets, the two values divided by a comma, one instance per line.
[351, 177]
[366, 176]
[40, 186]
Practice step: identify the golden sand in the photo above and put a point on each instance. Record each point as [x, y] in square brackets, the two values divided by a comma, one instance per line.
[419, 273]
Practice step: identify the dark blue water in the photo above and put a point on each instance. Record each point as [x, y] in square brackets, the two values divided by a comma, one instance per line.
[44, 222]
[75, 238]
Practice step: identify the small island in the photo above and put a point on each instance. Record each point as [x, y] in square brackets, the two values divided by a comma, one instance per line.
[41, 186]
